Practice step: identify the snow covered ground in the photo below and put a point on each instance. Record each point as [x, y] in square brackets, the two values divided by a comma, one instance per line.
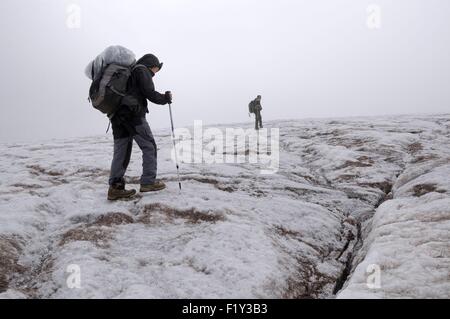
[350, 195]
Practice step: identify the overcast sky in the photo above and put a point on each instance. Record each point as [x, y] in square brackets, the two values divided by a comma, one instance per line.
[306, 59]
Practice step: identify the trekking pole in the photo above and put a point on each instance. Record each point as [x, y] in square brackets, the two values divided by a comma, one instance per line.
[174, 146]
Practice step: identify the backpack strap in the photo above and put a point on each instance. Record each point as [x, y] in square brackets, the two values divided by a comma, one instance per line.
[92, 71]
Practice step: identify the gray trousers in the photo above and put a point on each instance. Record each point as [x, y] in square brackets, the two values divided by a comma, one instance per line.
[123, 144]
[258, 120]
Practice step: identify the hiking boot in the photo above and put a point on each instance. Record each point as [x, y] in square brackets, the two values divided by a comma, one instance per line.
[156, 186]
[118, 191]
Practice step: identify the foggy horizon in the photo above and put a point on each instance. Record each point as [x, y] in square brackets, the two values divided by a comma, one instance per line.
[307, 60]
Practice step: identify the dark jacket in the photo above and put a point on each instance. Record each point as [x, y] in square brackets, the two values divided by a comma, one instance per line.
[134, 104]
[256, 105]
[141, 89]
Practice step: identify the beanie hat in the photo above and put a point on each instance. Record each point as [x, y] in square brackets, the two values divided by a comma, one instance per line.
[150, 61]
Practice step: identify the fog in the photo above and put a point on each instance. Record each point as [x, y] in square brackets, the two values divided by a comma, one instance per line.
[306, 59]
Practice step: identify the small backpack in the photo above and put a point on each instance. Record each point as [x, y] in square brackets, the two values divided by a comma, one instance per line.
[108, 89]
[251, 107]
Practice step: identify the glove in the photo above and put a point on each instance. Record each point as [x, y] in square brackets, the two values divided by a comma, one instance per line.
[168, 96]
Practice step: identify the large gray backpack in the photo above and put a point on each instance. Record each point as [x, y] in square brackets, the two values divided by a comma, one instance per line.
[107, 91]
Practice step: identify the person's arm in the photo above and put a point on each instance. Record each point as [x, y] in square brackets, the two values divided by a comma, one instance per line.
[145, 83]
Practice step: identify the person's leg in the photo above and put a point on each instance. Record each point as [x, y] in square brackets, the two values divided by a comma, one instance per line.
[121, 159]
[123, 143]
[146, 142]
[144, 138]
[260, 120]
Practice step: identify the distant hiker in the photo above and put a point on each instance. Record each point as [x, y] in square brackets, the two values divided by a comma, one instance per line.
[127, 115]
[255, 107]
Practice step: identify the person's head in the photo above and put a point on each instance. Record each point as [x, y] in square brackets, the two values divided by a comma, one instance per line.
[151, 62]
[258, 97]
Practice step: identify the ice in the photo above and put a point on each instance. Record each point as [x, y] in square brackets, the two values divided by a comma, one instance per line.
[364, 191]
[410, 241]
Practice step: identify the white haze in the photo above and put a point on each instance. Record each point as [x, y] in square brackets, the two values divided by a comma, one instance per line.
[306, 58]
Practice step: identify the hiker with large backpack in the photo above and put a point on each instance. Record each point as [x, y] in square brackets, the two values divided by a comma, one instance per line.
[255, 107]
[126, 106]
